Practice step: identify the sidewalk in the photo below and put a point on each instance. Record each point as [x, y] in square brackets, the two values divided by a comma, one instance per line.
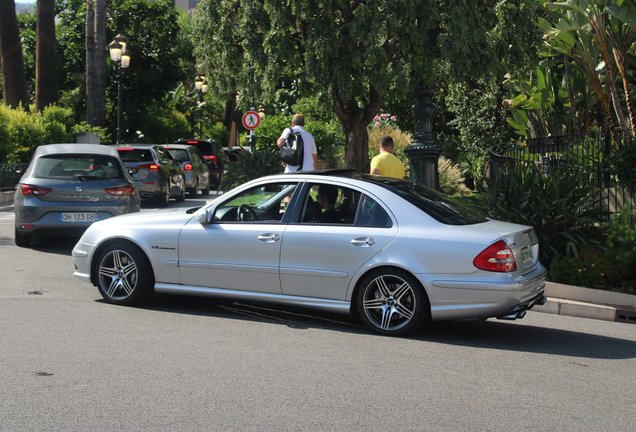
[588, 303]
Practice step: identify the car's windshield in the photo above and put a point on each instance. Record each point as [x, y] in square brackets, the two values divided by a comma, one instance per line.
[77, 167]
[437, 205]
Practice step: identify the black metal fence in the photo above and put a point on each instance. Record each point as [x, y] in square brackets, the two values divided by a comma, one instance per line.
[609, 160]
[8, 178]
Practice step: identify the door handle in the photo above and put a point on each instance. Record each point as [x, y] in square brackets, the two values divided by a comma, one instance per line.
[363, 241]
[269, 237]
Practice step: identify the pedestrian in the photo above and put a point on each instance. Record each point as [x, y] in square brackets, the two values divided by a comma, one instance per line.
[386, 163]
[310, 157]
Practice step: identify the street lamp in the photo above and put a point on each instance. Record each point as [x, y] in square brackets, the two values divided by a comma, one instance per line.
[202, 87]
[121, 57]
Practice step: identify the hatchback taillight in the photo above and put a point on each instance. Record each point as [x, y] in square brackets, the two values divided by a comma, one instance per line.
[121, 191]
[153, 167]
[497, 257]
[188, 167]
[26, 189]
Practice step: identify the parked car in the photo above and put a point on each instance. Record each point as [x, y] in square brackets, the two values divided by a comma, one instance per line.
[213, 156]
[395, 253]
[197, 174]
[155, 172]
[67, 187]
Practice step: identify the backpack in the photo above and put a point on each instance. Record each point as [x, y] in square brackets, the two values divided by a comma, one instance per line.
[293, 151]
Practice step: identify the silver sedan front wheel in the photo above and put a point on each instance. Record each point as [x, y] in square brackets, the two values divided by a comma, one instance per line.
[124, 274]
[392, 302]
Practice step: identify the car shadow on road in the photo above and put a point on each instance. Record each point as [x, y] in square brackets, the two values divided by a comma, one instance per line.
[491, 334]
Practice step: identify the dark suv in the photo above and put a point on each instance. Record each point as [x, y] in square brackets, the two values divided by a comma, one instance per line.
[213, 156]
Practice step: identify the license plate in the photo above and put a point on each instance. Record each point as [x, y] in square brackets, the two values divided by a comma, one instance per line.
[527, 256]
[78, 217]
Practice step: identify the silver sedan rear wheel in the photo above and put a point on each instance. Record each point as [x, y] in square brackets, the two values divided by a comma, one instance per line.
[124, 274]
[392, 302]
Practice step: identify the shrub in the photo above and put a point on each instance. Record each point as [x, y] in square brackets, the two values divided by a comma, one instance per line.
[574, 271]
[564, 211]
[250, 166]
[621, 243]
[451, 180]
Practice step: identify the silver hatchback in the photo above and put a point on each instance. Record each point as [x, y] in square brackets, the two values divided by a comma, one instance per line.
[67, 187]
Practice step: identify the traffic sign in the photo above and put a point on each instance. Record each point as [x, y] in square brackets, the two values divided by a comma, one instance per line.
[251, 120]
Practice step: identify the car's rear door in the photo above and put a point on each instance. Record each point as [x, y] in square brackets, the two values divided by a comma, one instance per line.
[319, 259]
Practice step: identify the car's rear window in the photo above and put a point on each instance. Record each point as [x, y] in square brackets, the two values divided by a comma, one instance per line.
[179, 154]
[204, 147]
[77, 167]
[437, 205]
[135, 155]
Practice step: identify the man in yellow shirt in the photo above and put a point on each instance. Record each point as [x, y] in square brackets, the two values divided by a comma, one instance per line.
[386, 164]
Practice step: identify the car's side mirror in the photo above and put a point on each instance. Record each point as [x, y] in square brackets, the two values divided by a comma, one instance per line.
[19, 169]
[204, 217]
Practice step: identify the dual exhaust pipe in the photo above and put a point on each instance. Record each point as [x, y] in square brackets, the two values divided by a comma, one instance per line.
[519, 311]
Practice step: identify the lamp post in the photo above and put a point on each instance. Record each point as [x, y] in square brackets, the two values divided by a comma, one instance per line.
[121, 57]
[202, 87]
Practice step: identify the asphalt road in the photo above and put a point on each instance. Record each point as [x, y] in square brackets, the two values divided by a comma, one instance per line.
[71, 362]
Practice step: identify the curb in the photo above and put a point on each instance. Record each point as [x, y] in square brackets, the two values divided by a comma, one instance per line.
[588, 303]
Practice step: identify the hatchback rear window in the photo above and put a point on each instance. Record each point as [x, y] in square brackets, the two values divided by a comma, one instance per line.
[135, 155]
[179, 154]
[77, 167]
[437, 205]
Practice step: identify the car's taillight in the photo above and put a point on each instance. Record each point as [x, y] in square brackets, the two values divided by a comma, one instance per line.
[188, 167]
[149, 167]
[210, 157]
[26, 189]
[121, 191]
[497, 257]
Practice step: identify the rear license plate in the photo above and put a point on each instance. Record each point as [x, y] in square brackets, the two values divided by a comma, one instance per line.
[78, 217]
[527, 256]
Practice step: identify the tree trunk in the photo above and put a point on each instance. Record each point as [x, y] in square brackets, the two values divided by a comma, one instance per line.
[45, 56]
[90, 63]
[355, 121]
[228, 112]
[13, 78]
[100, 62]
[621, 62]
[568, 79]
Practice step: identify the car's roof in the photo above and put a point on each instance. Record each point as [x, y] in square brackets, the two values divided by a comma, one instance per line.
[137, 146]
[178, 146]
[50, 149]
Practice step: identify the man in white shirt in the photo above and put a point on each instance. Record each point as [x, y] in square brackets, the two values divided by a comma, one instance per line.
[310, 157]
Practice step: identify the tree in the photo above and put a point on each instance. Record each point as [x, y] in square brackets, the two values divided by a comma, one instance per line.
[361, 52]
[13, 78]
[46, 61]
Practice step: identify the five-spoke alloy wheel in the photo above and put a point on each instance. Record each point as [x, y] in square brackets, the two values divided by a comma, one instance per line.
[125, 276]
[392, 302]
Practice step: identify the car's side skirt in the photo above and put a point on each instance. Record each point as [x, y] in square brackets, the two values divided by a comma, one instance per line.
[337, 306]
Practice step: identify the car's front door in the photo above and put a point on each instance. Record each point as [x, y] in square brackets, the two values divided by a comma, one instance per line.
[319, 258]
[240, 248]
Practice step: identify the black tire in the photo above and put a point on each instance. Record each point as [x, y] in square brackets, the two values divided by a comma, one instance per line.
[124, 274]
[206, 191]
[22, 240]
[392, 302]
[193, 192]
[182, 194]
[164, 200]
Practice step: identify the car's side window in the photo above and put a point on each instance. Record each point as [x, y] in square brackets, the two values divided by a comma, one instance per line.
[330, 204]
[372, 214]
[263, 203]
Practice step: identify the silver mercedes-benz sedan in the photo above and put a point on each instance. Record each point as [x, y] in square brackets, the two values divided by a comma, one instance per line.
[67, 187]
[394, 253]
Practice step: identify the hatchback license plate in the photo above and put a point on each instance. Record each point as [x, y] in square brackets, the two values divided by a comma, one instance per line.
[527, 257]
[78, 217]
